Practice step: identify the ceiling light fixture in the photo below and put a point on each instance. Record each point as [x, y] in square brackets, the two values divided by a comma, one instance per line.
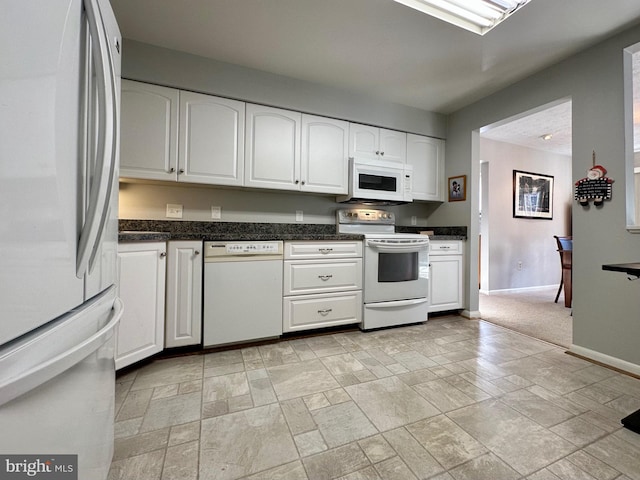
[478, 16]
[546, 136]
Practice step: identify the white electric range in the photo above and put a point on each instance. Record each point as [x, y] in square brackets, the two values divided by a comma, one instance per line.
[396, 268]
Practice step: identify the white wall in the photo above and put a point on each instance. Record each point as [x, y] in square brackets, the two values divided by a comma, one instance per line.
[511, 240]
[606, 309]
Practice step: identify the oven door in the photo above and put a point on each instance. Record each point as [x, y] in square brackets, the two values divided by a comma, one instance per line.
[396, 269]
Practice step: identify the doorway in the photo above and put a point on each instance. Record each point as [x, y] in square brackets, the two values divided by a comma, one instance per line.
[519, 264]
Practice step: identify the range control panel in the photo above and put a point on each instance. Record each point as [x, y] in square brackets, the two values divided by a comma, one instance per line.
[366, 216]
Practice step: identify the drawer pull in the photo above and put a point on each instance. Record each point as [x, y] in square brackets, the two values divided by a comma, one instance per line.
[325, 312]
[325, 277]
[325, 250]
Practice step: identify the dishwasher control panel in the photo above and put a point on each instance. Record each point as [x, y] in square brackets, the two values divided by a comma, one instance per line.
[232, 249]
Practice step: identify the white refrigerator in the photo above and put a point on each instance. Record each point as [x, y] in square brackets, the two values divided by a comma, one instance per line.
[59, 142]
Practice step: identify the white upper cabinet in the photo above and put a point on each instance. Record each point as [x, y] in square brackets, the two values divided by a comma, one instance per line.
[426, 155]
[175, 135]
[377, 143]
[211, 140]
[149, 126]
[272, 148]
[324, 159]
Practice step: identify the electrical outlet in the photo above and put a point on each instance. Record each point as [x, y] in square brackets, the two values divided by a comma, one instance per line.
[414, 220]
[174, 210]
[216, 212]
[299, 215]
[519, 265]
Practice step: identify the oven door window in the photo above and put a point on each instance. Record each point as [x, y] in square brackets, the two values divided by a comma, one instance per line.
[377, 182]
[398, 267]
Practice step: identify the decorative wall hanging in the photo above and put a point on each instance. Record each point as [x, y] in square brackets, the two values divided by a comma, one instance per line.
[595, 186]
[458, 188]
[532, 195]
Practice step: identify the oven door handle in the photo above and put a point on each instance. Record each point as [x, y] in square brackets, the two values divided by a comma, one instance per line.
[397, 303]
[387, 247]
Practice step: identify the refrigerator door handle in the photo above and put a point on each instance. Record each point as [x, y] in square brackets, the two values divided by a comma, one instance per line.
[106, 168]
[39, 374]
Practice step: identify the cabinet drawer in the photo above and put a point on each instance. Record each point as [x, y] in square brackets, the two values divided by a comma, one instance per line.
[445, 247]
[322, 310]
[313, 250]
[316, 276]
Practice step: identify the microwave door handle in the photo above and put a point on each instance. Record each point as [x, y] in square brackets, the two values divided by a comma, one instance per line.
[104, 179]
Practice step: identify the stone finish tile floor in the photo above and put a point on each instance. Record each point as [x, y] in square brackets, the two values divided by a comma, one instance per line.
[450, 399]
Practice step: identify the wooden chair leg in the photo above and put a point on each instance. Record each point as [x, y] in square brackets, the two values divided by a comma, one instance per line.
[559, 290]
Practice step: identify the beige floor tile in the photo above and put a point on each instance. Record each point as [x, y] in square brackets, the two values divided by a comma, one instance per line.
[316, 401]
[224, 387]
[135, 404]
[446, 442]
[578, 431]
[376, 448]
[127, 428]
[395, 468]
[413, 360]
[343, 423]
[298, 416]
[139, 444]
[300, 379]
[184, 433]
[368, 473]
[344, 363]
[309, 443]
[443, 395]
[169, 371]
[253, 440]
[412, 453]
[290, 471]
[593, 466]
[335, 463]
[147, 466]
[181, 462]
[536, 408]
[166, 412]
[485, 467]
[227, 357]
[389, 403]
[613, 450]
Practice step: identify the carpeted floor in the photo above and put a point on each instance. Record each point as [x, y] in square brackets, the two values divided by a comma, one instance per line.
[532, 312]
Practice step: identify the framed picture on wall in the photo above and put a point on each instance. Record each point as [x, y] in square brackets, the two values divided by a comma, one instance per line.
[458, 188]
[532, 195]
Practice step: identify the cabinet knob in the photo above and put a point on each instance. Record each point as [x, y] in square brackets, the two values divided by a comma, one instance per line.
[303, 182]
[377, 152]
[181, 171]
[163, 254]
[382, 154]
[171, 170]
[297, 182]
[197, 252]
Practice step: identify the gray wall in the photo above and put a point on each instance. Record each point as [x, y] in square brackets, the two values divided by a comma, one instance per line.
[148, 63]
[511, 240]
[606, 309]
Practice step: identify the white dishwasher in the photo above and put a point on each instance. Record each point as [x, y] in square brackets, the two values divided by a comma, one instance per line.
[242, 291]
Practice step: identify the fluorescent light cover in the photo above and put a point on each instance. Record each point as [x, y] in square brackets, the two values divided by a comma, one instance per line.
[478, 16]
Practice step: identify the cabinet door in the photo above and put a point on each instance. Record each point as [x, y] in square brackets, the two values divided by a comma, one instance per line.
[393, 146]
[211, 140]
[325, 162]
[141, 273]
[426, 155]
[445, 282]
[149, 131]
[184, 294]
[272, 148]
[364, 141]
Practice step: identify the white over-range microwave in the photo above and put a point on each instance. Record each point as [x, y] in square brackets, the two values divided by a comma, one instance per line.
[378, 182]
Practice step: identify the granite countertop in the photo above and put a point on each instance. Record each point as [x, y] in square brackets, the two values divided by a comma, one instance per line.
[164, 230]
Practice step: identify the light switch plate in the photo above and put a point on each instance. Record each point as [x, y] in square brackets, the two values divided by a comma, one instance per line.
[216, 212]
[174, 210]
[299, 215]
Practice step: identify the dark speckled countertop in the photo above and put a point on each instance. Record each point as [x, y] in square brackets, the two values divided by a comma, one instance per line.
[164, 230]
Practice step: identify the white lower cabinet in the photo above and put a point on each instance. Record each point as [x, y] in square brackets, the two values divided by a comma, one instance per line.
[446, 275]
[141, 286]
[184, 294]
[322, 288]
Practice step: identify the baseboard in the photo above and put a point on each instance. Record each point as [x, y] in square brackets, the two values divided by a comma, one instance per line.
[470, 315]
[519, 290]
[607, 360]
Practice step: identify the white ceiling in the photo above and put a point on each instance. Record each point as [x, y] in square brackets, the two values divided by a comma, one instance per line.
[377, 47]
